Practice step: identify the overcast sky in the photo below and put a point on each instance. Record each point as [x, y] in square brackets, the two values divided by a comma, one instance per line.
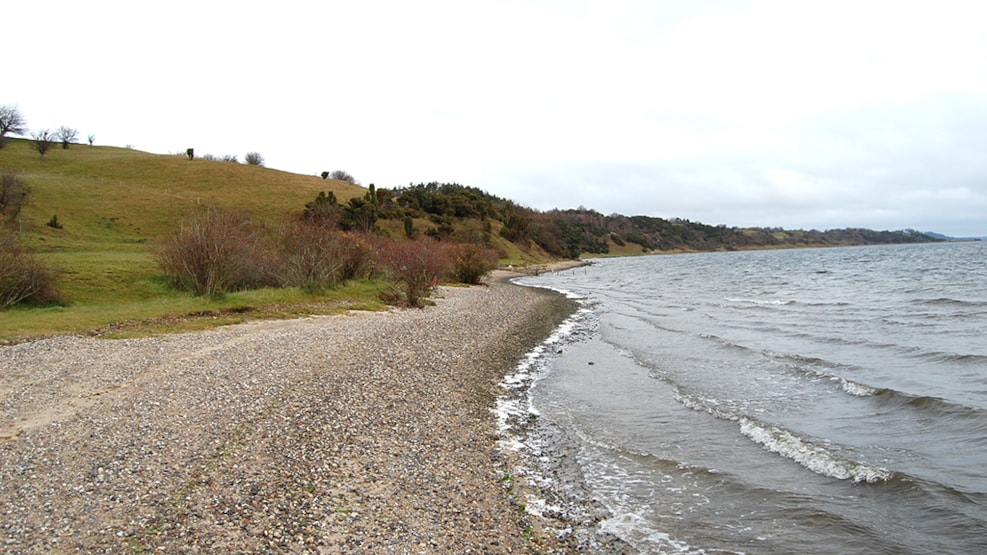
[798, 114]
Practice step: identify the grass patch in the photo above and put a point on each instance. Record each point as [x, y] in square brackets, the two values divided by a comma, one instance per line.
[181, 312]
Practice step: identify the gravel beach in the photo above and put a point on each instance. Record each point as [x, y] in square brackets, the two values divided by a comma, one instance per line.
[360, 433]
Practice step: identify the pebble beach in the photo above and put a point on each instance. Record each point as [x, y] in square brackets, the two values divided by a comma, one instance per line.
[357, 433]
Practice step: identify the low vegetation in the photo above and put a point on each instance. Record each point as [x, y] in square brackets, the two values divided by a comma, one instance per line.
[316, 258]
[23, 278]
[217, 252]
[416, 265]
[222, 251]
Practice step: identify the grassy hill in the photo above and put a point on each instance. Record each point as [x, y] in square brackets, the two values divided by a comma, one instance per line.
[113, 204]
[108, 197]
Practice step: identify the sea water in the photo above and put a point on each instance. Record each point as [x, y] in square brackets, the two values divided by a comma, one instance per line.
[816, 401]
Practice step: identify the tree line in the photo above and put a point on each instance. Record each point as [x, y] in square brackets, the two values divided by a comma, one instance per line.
[12, 122]
[450, 207]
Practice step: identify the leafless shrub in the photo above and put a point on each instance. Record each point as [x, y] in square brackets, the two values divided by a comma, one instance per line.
[23, 278]
[312, 256]
[223, 158]
[217, 252]
[42, 141]
[66, 135]
[254, 159]
[416, 265]
[343, 176]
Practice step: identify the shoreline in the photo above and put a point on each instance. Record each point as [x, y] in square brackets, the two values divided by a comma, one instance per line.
[361, 433]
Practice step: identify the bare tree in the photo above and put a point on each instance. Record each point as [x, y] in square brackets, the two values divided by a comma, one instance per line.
[254, 159]
[343, 176]
[92, 138]
[42, 141]
[66, 135]
[11, 121]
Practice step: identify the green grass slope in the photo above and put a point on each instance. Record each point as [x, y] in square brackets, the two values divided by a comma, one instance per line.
[113, 205]
[105, 196]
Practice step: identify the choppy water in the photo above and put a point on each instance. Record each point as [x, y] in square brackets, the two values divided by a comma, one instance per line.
[803, 401]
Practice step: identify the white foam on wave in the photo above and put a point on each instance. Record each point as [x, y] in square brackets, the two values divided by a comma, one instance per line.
[787, 444]
[812, 457]
[565, 292]
[857, 389]
[637, 530]
[512, 407]
[777, 302]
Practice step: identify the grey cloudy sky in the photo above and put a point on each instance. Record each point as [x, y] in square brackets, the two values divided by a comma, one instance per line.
[799, 114]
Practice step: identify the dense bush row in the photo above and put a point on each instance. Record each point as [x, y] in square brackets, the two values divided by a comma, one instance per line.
[571, 233]
[222, 251]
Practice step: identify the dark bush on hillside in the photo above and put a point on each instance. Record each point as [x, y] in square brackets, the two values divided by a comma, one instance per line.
[323, 211]
[359, 214]
[471, 262]
[315, 257]
[254, 159]
[218, 252]
[415, 265]
[22, 276]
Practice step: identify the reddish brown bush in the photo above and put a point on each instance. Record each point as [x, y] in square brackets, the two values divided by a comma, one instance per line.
[416, 265]
[472, 262]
